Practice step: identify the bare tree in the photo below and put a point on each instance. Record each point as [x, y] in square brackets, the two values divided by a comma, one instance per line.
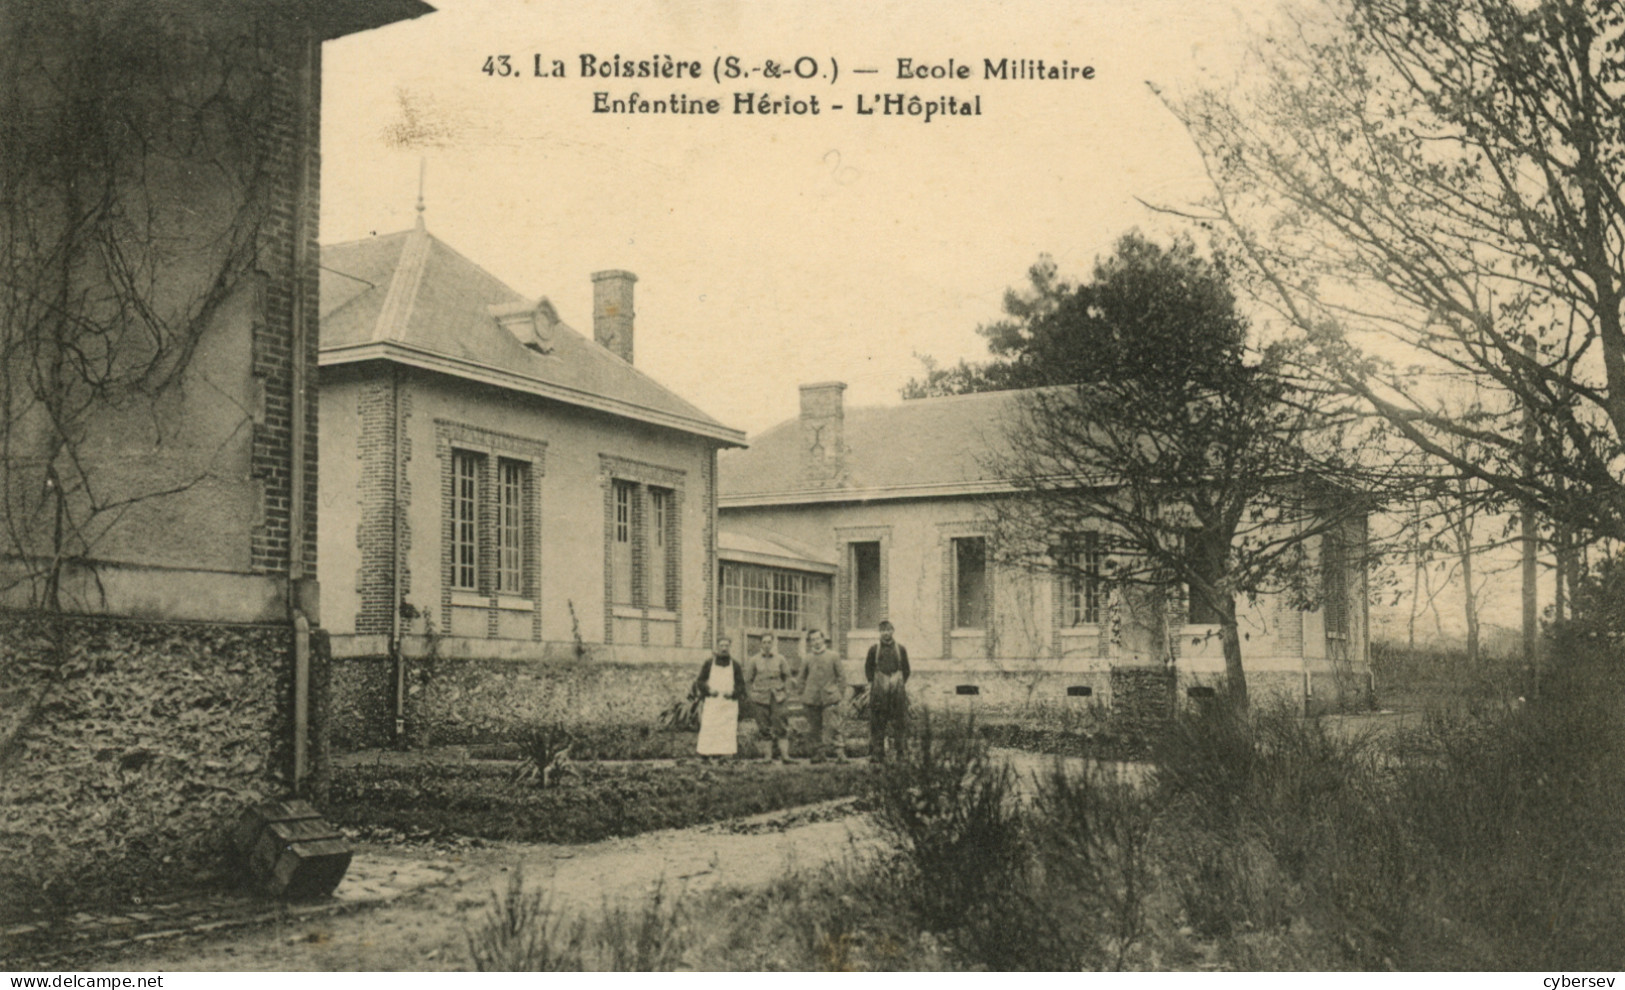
[1442, 180]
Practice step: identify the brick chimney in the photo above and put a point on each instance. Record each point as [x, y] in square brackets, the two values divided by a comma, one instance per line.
[612, 311]
[823, 435]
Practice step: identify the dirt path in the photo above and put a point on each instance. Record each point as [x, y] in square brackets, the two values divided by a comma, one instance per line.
[427, 931]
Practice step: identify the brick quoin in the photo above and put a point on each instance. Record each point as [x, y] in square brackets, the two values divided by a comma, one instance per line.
[609, 557]
[272, 343]
[710, 608]
[674, 562]
[380, 491]
[640, 563]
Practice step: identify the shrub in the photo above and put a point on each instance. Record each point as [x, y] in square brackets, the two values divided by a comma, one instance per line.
[525, 933]
[1092, 832]
[647, 939]
[1272, 818]
[1205, 757]
[1516, 809]
[953, 812]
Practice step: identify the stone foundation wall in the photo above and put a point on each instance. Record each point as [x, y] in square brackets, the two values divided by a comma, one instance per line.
[454, 701]
[462, 699]
[130, 750]
[363, 703]
[1325, 689]
[1010, 688]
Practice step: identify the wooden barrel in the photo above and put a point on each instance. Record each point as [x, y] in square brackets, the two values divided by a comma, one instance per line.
[289, 851]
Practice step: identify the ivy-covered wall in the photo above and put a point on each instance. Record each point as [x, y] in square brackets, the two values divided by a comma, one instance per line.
[1142, 699]
[129, 749]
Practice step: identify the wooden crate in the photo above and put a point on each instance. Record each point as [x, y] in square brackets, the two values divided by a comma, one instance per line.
[289, 851]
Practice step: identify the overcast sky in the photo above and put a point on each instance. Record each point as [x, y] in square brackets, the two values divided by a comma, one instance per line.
[772, 250]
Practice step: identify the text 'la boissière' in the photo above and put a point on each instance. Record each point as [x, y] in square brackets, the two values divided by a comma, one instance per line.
[798, 86]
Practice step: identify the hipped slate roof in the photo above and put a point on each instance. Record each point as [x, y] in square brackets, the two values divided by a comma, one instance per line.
[919, 448]
[409, 298]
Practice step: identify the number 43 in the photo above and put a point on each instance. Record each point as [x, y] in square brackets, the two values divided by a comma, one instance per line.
[497, 65]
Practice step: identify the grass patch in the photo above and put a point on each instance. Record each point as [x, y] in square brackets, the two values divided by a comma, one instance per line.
[525, 932]
[593, 801]
[1433, 679]
[1483, 837]
[840, 917]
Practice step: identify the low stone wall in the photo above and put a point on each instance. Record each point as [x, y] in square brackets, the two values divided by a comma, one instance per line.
[456, 701]
[363, 703]
[131, 747]
[453, 698]
[1323, 688]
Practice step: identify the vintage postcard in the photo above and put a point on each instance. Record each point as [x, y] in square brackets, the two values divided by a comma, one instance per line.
[1010, 484]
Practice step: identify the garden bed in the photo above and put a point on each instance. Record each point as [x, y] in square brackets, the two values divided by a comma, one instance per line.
[591, 801]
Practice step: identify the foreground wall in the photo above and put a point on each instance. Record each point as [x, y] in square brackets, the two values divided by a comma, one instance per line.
[132, 749]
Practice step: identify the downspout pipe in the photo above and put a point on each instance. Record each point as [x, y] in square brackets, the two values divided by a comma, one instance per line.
[305, 109]
[397, 655]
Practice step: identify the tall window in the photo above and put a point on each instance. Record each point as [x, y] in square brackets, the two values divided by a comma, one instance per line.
[1334, 584]
[621, 543]
[487, 524]
[466, 468]
[1208, 561]
[659, 559]
[970, 582]
[1081, 582]
[510, 535]
[644, 535]
[868, 598]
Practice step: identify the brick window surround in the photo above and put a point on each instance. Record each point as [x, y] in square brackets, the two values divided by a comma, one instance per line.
[638, 497]
[490, 522]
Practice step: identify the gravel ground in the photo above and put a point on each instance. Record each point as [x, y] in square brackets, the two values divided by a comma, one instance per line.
[427, 930]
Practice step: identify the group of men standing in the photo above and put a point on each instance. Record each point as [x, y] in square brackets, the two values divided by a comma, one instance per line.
[767, 682]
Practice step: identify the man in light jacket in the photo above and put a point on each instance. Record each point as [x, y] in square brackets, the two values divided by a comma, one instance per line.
[823, 688]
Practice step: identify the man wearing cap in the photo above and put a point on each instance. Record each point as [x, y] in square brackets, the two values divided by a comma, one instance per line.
[886, 670]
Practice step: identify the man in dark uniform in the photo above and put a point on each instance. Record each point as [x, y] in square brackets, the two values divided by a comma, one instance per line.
[886, 670]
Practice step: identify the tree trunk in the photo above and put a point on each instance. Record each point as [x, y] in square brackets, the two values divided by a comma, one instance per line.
[1462, 524]
[1416, 580]
[1469, 602]
[1235, 678]
[1526, 525]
